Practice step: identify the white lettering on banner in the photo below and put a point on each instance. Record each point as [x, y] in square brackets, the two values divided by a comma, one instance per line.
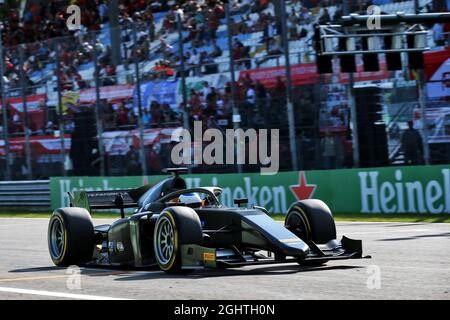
[390, 198]
[417, 187]
[387, 194]
[251, 191]
[446, 174]
[265, 197]
[226, 198]
[399, 188]
[432, 194]
[367, 192]
[192, 182]
[262, 196]
[377, 195]
[238, 193]
[279, 199]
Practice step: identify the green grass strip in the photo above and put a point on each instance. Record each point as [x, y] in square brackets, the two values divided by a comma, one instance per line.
[435, 218]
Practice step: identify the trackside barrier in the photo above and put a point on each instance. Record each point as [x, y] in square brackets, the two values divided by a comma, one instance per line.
[25, 195]
[389, 190]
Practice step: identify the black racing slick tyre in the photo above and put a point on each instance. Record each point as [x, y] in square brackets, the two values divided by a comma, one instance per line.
[311, 220]
[175, 227]
[70, 236]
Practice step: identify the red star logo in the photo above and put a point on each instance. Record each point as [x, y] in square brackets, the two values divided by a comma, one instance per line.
[303, 190]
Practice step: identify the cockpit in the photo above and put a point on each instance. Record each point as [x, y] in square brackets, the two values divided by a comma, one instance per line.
[161, 189]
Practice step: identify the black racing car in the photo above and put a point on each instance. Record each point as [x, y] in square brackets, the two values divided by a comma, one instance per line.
[179, 236]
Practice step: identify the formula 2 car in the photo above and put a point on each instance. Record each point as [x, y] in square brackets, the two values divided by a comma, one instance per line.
[180, 229]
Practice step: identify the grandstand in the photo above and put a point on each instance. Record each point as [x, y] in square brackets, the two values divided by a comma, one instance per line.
[63, 68]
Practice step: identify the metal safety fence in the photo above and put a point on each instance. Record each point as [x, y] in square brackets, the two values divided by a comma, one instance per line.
[107, 102]
[25, 195]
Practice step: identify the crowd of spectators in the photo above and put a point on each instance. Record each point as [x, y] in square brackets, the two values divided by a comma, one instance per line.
[41, 27]
[148, 33]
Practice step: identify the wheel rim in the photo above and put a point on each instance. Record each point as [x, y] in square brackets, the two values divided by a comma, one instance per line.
[164, 240]
[297, 225]
[57, 239]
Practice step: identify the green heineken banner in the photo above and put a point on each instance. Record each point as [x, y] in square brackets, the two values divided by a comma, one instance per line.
[419, 189]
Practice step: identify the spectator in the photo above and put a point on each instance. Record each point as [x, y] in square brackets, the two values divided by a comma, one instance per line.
[249, 105]
[292, 24]
[206, 89]
[261, 100]
[209, 64]
[217, 51]
[325, 17]
[50, 128]
[194, 63]
[329, 150]
[133, 166]
[212, 95]
[438, 36]
[271, 30]
[412, 145]
[122, 116]
[146, 118]
[167, 114]
[103, 11]
[166, 49]
[155, 112]
[245, 57]
[274, 50]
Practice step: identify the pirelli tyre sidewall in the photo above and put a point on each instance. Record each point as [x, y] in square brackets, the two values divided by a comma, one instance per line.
[318, 220]
[70, 236]
[175, 226]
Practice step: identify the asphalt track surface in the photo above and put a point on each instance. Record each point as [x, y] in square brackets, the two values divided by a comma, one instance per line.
[412, 261]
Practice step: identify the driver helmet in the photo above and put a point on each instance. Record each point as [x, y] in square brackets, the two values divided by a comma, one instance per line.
[189, 198]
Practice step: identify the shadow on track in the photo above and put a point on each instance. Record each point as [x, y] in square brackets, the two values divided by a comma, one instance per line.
[212, 273]
[135, 274]
[37, 269]
[85, 270]
[437, 235]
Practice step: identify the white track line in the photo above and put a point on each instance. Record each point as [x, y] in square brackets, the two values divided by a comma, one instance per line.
[56, 294]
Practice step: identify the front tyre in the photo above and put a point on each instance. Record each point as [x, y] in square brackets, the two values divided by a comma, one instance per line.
[70, 236]
[175, 226]
[311, 220]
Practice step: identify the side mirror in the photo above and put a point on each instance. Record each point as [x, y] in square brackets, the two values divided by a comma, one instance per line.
[261, 209]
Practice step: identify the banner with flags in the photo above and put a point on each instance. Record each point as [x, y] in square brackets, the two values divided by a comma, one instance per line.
[39, 145]
[36, 108]
[110, 93]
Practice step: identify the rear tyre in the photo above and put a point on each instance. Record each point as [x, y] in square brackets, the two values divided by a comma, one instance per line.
[311, 220]
[70, 236]
[175, 226]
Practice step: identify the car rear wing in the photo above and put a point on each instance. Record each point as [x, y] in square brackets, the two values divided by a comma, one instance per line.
[91, 200]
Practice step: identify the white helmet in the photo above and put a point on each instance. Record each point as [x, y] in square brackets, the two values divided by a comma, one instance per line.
[188, 198]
